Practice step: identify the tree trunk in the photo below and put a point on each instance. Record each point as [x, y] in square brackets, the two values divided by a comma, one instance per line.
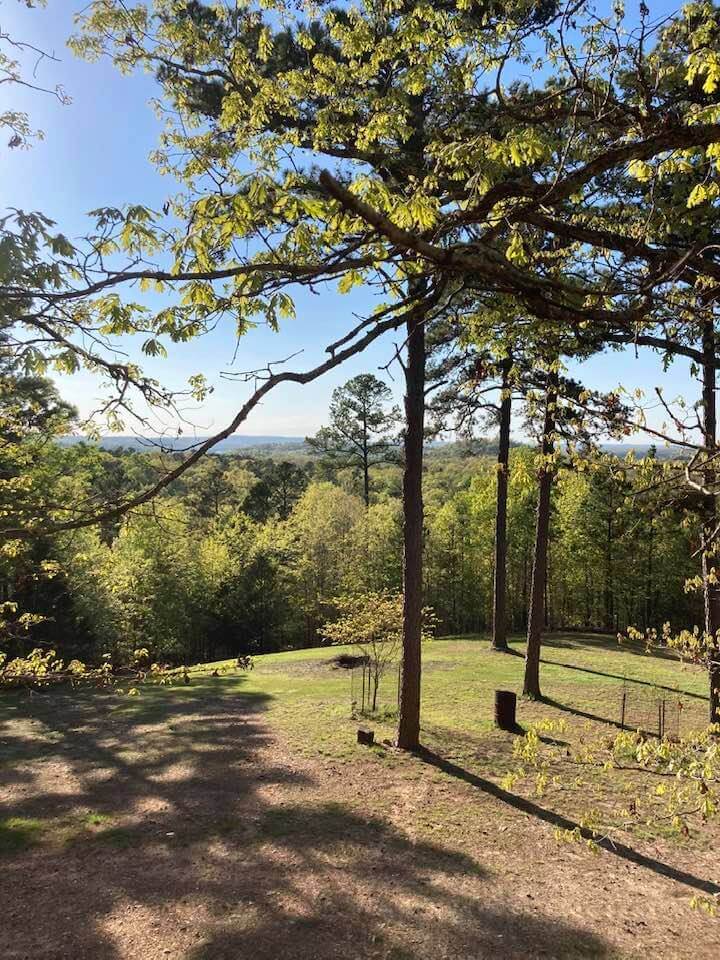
[608, 596]
[546, 591]
[408, 735]
[711, 588]
[536, 614]
[499, 621]
[649, 587]
[366, 465]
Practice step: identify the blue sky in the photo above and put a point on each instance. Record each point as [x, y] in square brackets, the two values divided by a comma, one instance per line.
[95, 153]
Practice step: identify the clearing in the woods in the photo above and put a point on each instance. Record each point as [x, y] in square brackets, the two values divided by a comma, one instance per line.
[237, 817]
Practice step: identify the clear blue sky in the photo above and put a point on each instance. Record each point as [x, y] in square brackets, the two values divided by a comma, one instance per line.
[95, 153]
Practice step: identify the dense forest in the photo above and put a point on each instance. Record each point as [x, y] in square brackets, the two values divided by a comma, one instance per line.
[250, 553]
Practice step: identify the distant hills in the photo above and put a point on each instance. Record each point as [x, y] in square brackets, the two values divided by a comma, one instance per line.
[231, 445]
[673, 452]
[273, 444]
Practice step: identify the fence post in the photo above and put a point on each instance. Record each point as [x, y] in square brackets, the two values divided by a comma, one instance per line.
[622, 709]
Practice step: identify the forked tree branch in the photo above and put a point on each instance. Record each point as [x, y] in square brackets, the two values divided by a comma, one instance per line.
[419, 308]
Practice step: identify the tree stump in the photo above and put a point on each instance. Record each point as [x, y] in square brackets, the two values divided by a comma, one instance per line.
[505, 704]
[366, 737]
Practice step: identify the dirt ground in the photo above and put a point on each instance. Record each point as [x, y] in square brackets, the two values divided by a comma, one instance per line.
[194, 829]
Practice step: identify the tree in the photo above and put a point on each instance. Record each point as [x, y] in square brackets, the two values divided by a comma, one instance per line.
[408, 736]
[546, 467]
[35, 475]
[19, 60]
[710, 520]
[317, 543]
[398, 81]
[499, 623]
[277, 488]
[360, 433]
[488, 368]
[561, 418]
[377, 549]
[441, 195]
[373, 622]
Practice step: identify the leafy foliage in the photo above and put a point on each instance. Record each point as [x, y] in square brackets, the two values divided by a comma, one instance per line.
[373, 622]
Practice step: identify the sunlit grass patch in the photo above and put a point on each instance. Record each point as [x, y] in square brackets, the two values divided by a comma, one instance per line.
[18, 834]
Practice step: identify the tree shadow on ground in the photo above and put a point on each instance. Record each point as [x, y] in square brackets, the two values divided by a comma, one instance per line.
[100, 738]
[626, 679]
[583, 714]
[590, 641]
[564, 823]
[607, 642]
[212, 843]
[648, 724]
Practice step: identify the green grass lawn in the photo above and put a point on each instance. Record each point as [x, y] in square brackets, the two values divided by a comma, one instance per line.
[583, 677]
[311, 699]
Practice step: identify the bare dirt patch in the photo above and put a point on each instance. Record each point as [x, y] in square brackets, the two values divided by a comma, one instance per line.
[190, 827]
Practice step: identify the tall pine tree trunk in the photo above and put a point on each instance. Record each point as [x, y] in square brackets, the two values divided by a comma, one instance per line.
[536, 614]
[608, 595]
[499, 625]
[366, 463]
[711, 588]
[408, 735]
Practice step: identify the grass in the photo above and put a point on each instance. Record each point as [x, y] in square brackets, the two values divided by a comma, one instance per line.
[308, 698]
[582, 678]
[306, 693]
[18, 834]
[247, 794]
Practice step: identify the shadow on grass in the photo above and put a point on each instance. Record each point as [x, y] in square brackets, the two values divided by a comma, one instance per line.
[626, 679]
[586, 715]
[564, 823]
[583, 714]
[607, 642]
[589, 641]
[214, 844]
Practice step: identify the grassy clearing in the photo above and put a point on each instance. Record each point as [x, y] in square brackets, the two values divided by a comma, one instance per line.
[240, 813]
[582, 678]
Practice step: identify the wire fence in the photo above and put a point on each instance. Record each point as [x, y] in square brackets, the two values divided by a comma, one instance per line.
[653, 712]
